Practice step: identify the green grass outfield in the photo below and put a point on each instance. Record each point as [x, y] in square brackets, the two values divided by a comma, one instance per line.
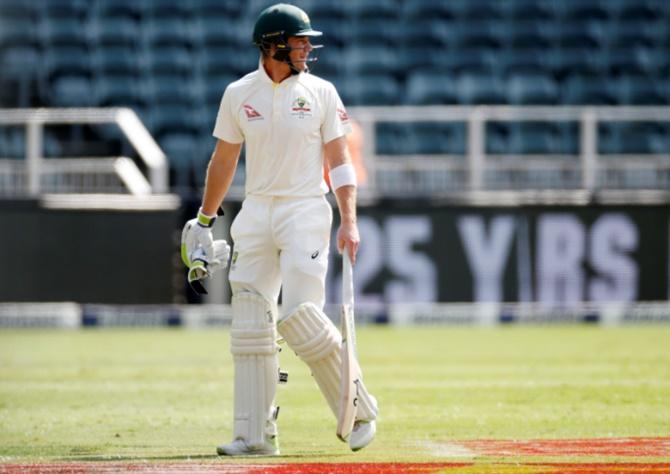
[166, 394]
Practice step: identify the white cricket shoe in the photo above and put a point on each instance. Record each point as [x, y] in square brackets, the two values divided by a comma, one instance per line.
[239, 447]
[362, 434]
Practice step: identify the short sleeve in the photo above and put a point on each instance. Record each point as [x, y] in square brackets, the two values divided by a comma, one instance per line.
[336, 121]
[227, 127]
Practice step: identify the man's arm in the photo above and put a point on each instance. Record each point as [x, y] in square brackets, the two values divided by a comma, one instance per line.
[220, 174]
[337, 154]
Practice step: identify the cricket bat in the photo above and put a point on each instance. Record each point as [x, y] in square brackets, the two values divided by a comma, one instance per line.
[350, 372]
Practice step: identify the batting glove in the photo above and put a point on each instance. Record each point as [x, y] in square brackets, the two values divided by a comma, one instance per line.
[198, 233]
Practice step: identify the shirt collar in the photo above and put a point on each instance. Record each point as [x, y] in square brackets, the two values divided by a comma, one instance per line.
[263, 75]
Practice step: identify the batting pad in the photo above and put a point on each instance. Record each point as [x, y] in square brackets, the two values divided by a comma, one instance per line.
[254, 349]
[316, 340]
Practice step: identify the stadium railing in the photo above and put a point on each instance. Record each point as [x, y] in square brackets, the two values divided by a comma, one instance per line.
[479, 170]
[36, 175]
[465, 165]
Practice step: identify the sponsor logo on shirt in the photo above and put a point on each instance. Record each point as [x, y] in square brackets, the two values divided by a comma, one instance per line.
[252, 114]
[344, 116]
[301, 108]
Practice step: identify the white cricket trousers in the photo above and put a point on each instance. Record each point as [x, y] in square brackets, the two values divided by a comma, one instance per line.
[281, 243]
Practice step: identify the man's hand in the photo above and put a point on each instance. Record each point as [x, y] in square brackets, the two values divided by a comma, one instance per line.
[198, 233]
[348, 236]
[201, 254]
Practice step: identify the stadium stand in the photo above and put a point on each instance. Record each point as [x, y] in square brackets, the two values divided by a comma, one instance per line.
[171, 61]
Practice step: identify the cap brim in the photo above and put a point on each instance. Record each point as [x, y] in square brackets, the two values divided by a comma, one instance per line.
[309, 33]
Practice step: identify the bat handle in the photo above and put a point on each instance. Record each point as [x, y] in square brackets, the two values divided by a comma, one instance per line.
[347, 279]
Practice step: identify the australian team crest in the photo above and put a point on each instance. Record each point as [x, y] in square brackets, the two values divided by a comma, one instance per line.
[301, 108]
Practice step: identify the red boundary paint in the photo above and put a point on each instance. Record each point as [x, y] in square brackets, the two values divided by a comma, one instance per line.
[335, 468]
[636, 448]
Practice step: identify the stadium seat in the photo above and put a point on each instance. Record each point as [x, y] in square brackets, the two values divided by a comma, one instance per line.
[72, 91]
[373, 9]
[209, 61]
[20, 61]
[528, 10]
[567, 138]
[629, 60]
[475, 34]
[641, 90]
[512, 61]
[65, 31]
[582, 10]
[215, 86]
[532, 88]
[18, 10]
[470, 10]
[116, 31]
[171, 118]
[629, 138]
[216, 9]
[116, 60]
[421, 9]
[67, 60]
[533, 35]
[169, 89]
[588, 90]
[71, 9]
[214, 32]
[430, 88]
[119, 90]
[205, 122]
[168, 59]
[496, 138]
[580, 34]
[334, 32]
[130, 9]
[370, 59]
[12, 142]
[166, 32]
[18, 32]
[435, 138]
[465, 60]
[368, 90]
[395, 138]
[656, 61]
[328, 9]
[660, 139]
[476, 88]
[647, 10]
[523, 138]
[243, 61]
[576, 61]
[412, 58]
[532, 138]
[180, 148]
[166, 9]
[627, 33]
[374, 31]
[427, 34]
[330, 63]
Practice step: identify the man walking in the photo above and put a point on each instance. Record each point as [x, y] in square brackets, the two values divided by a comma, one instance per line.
[290, 121]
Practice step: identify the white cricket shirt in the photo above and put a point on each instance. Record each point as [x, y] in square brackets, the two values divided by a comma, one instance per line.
[284, 127]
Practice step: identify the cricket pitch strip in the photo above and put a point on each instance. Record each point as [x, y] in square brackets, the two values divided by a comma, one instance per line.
[562, 456]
